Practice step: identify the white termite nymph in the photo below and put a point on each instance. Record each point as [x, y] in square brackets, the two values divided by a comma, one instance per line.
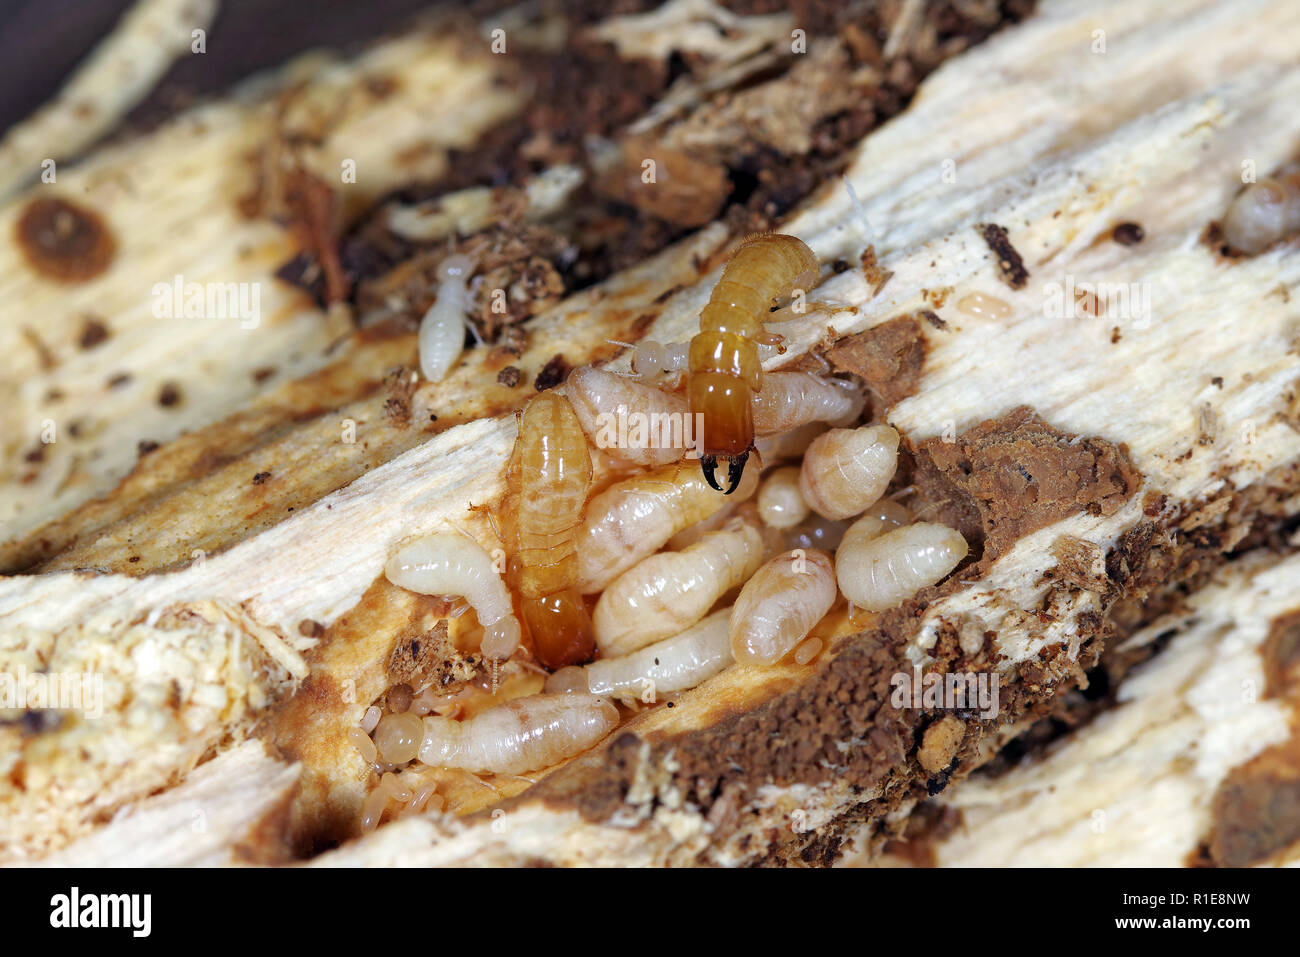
[787, 400]
[672, 590]
[650, 358]
[674, 664]
[449, 563]
[845, 470]
[780, 503]
[525, 734]
[779, 606]
[442, 330]
[656, 420]
[876, 571]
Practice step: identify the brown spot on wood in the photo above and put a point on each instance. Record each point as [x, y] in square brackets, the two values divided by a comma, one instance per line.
[888, 357]
[93, 332]
[1010, 263]
[552, 373]
[509, 376]
[872, 271]
[309, 628]
[1128, 234]
[144, 447]
[1256, 811]
[169, 395]
[261, 477]
[64, 241]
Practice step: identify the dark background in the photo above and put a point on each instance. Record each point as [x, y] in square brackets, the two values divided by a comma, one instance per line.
[41, 42]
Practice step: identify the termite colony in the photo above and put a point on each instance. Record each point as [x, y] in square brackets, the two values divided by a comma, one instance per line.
[658, 579]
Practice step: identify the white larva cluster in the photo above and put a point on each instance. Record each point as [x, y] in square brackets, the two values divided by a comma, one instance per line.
[1264, 212]
[449, 563]
[876, 571]
[845, 470]
[672, 590]
[779, 606]
[442, 330]
[521, 735]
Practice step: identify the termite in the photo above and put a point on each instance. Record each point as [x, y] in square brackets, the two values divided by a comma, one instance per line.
[780, 503]
[779, 606]
[788, 400]
[845, 470]
[449, 563]
[635, 517]
[603, 398]
[876, 571]
[672, 590]
[525, 734]
[442, 330]
[547, 482]
[724, 362]
[673, 664]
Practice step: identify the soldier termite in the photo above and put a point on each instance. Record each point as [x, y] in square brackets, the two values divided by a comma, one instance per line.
[449, 563]
[672, 590]
[779, 606]
[673, 664]
[521, 735]
[599, 397]
[876, 571]
[634, 518]
[845, 470]
[547, 482]
[724, 360]
[442, 330]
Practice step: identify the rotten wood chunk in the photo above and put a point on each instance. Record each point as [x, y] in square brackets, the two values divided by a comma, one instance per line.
[1256, 811]
[667, 183]
[1011, 265]
[1080, 563]
[1010, 476]
[888, 357]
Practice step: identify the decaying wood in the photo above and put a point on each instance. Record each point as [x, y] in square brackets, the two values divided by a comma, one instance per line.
[1033, 132]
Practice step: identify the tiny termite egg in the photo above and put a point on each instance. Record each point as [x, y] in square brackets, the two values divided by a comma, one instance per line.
[780, 503]
[807, 650]
[371, 718]
[398, 738]
[361, 741]
[982, 306]
[396, 790]
[399, 698]
[1262, 213]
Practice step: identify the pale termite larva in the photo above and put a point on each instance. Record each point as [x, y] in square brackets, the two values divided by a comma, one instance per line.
[650, 358]
[656, 420]
[845, 470]
[787, 446]
[449, 563]
[780, 503]
[878, 571]
[634, 518]
[779, 606]
[547, 482]
[788, 400]
[525, 734]
[1263, 213]
[442, 330]
[884, 516]
[674, 664]
[724, 360]
[672, 590]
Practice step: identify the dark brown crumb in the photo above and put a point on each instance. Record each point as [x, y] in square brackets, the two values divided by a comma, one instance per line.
[93, 332]
[1128, 234]
[119, 380]
[1217, 381]
[509, 376]
[1011, 265]
[309, 628]
[144, 447]
[64, 241]
[1115, 335]
[552, 373]
[932, 318]
[260, 375]
[261, 477]
[169, 395]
